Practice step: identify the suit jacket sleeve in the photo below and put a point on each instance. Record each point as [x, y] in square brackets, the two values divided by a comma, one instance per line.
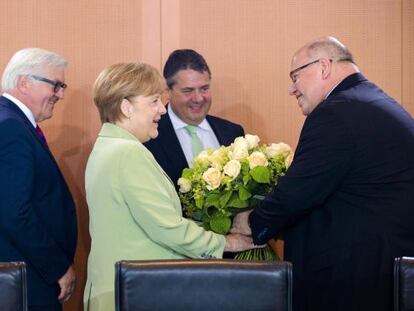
[18, 220]
[322, 159]
[155, 206]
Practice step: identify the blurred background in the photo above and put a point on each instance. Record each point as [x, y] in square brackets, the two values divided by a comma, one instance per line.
[248, 45]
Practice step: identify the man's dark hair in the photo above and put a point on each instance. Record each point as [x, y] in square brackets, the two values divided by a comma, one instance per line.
[181, 60]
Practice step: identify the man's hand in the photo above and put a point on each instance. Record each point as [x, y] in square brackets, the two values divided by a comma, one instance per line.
[241, 223]
[67, 285]
[238, 243]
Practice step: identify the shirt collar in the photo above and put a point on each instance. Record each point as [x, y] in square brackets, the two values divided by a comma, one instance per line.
[329, 93]
[28, 113]
[179, 124]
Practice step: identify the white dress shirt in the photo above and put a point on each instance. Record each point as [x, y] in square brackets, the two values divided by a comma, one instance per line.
[204, 132]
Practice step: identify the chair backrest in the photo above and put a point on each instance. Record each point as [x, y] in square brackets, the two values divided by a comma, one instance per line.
[404, 284]
[13, 286]
[224, 285]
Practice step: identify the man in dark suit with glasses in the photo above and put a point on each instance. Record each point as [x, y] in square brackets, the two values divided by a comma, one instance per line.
[345, 207]
[37, 212]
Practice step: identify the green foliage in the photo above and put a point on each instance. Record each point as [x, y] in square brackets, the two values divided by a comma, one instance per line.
[225, 197]
[261, 174]
[220, 223]
[212, 199]
[236, 202]
[244, 194]
[236, 185]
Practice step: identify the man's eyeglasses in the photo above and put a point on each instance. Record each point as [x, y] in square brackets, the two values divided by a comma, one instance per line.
[57, 85]
[293, 72]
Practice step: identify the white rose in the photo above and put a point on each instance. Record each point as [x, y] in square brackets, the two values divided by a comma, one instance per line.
[288, 160]
[238, 154]
[203, 157]
[185, 184]
[217, 157]
[257, 158]
[240, 149]
[213, 178]
[252, 140]
[240, 142]
[232, 168]
[275, 149]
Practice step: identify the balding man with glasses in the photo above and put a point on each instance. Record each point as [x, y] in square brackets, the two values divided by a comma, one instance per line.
[37, 212]
[345, 207]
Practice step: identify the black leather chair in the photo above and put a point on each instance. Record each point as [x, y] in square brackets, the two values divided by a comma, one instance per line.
[13, 286]
[199, 285]
[404, 284]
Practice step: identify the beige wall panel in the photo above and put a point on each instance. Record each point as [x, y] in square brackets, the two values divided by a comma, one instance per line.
[249, 44]
[408, 55]
[170, 25]
[150, 33]
[91, 35]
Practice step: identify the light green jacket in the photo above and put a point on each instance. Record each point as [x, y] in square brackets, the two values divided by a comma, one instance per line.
[134, 213]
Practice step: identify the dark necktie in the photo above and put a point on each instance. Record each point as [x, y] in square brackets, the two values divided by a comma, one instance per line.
[41, 135]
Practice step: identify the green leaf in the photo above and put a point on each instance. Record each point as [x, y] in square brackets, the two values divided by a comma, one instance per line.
[245, 167]
[260, 174]
[199, 202]
[236, 202]
[225, 197]
[246, 179]
[197, 215]
[206, 223]
[187, 173]
[209, 211]
[244, 194]
[220, 224]
[213, 199]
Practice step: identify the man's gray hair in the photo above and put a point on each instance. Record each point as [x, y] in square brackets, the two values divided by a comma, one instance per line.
[27, 62]
[329, 47]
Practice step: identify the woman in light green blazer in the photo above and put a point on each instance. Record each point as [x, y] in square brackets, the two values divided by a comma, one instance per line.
[134, 210]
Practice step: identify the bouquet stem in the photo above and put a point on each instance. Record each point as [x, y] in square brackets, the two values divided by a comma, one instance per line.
[267, 253]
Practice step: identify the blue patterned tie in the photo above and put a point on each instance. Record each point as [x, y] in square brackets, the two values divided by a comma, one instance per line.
[196, 144]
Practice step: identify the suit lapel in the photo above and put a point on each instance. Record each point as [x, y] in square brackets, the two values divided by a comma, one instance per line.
[224, 135]
[11, 106]
[220, 134]
[170, 144]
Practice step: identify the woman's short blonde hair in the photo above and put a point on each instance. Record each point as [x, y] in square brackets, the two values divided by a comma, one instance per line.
[124, 80]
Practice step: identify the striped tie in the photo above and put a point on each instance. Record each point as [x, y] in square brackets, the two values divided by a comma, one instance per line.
[196, 144]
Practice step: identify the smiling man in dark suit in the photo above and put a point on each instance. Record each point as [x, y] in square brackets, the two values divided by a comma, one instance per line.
[345, 208]
[37, 213]
[188, 79]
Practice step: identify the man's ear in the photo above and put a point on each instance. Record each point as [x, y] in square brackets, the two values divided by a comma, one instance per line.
[326, 65]
[126, 108]
[23, 84]
[167, 94]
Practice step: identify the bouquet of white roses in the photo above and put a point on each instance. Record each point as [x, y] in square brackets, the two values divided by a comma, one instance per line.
[229, 180]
